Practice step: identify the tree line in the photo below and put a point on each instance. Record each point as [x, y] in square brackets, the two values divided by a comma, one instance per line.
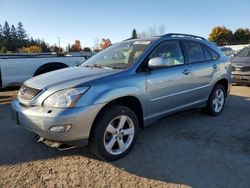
[98, 46]
[150, 32]
[76, 47]
[220, 35]
[15, 39]
[224, 36]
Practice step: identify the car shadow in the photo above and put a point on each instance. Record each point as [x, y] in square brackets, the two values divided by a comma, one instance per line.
[12, 88]
[195, 149]
[188, 148]
[19, 145]
[4, 97]
[8, 94]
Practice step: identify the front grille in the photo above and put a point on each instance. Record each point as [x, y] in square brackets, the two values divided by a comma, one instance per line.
[245, 69]
[236, 68]
[28, 93]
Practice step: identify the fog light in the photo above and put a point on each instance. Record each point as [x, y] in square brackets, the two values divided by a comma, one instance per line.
[60, 128]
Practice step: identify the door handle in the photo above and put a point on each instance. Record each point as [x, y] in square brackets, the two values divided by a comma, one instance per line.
[215, 66]
[186, 72]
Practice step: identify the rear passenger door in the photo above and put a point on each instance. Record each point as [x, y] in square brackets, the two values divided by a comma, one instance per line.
[202, 60]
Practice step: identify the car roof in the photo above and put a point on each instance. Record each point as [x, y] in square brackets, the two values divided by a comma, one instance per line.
[172, 36]
[180, 36]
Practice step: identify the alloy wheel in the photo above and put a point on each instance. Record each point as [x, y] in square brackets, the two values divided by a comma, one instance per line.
[218, 100]
[119, 135]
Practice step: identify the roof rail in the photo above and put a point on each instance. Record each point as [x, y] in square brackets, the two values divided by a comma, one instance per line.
[183, 35]
[129, 39]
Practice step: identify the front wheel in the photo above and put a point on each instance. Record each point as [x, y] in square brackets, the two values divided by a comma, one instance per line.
[216, 101]
[114, 133]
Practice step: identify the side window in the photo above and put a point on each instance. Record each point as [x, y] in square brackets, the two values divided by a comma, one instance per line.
[194, 51]
[170, 51]
[207, 54]
[213, 54]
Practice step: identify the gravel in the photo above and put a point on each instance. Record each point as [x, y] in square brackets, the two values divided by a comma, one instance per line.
[188, 149]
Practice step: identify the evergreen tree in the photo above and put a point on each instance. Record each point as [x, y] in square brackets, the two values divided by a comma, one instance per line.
[6, 37]
[21, 35]
[68, 48]
[1, 37]
[6, 30]
[45, 47]
[134, 34]
[32, 42]
[13, 34]
[21, 31]
[13, 39]
[1, 33]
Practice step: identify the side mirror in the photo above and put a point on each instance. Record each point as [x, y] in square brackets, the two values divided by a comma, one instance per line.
[157, 62]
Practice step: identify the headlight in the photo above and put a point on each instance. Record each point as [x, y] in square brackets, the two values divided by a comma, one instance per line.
[65, 98]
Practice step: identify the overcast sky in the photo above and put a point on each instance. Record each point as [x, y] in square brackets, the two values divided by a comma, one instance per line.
[88, 20]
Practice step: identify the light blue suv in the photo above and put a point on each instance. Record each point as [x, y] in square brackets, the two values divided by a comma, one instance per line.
[104, 102]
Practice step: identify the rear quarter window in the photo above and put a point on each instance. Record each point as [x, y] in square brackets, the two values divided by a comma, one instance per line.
[207, 54]
[214, 55]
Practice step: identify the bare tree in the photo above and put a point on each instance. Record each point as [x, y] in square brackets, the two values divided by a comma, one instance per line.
[143, 34]
[162, 29]
[152, 31]
[96, 45]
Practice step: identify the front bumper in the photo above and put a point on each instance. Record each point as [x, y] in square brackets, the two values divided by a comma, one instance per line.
[239, 77]
[40, 119]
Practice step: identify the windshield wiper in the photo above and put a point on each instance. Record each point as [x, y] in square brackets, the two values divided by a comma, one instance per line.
[98, 66]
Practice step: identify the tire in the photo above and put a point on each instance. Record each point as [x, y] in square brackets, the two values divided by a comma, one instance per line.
[114, 133]
[216, 101]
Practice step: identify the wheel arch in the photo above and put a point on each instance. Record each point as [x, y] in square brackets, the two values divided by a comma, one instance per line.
[131, 102]
[224, 82]
[50, 66]
[1, 84]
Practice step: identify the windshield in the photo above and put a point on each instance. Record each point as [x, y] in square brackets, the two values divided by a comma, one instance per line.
[118, 56]
[245, 52]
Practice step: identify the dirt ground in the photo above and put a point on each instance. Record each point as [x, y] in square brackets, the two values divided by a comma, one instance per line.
[188, 149]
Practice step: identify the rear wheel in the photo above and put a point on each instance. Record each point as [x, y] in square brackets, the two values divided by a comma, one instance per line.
[114, 133]
[216, 101]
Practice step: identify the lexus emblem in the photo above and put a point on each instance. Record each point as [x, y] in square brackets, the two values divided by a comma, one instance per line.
[23, 90]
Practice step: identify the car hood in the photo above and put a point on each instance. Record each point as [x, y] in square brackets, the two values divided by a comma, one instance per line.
[68, 77]
[240, 61]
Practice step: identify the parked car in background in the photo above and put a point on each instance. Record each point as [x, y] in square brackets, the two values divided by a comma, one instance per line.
[104, 102]
[16, 68]
[228, 51]
[241, 66]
